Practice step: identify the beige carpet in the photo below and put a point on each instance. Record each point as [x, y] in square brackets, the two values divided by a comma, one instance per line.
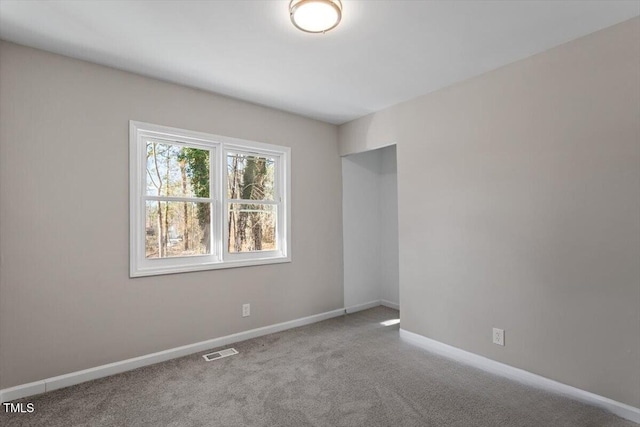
[347, 371]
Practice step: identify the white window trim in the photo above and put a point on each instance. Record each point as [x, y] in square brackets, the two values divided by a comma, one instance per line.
[220, 257]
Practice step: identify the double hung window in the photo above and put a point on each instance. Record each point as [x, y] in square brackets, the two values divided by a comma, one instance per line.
[201, 201]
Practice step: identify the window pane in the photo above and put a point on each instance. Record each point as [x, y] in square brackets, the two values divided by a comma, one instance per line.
[174, 170]
[250, 177]
[251, 227]
[177, 229]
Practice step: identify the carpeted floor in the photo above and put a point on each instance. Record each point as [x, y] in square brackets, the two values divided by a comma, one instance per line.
[347, 371]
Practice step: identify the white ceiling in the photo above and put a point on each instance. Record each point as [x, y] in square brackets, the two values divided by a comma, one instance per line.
[383, 52]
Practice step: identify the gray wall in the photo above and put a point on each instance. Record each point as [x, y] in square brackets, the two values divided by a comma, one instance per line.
[67, 302]
[370, 221]
[389, 269]
[519, 208]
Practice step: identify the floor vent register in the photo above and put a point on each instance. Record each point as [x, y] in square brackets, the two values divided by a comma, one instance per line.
[220, 354]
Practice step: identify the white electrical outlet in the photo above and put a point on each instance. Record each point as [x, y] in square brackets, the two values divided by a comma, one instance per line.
[246, 310]
[498, 336]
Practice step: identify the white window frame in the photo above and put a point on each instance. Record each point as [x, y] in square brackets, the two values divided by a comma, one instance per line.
[219, 146]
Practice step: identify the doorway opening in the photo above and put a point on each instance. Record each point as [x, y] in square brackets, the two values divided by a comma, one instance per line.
[370, 229]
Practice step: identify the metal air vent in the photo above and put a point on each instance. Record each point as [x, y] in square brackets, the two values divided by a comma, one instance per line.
[220, 354]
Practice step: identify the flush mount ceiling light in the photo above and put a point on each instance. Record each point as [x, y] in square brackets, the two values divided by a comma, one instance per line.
[315, 16]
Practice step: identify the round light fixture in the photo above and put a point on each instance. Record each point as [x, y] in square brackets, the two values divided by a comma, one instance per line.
[315, 16]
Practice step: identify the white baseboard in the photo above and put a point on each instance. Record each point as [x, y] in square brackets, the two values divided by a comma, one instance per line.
[618, 408]
[363, 306]
[22, 390]
[78, 377]
[371, 304]
[390, 304]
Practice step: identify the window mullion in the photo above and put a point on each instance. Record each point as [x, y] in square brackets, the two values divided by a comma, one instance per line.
[224, 229]
[217, 177]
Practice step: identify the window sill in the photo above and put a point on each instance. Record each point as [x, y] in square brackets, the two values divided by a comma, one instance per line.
[207, 266]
